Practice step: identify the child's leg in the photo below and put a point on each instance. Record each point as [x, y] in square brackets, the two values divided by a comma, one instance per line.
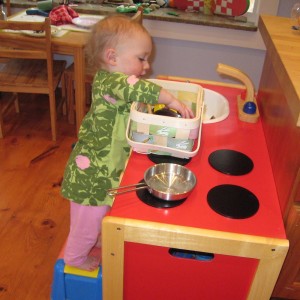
[85, 228]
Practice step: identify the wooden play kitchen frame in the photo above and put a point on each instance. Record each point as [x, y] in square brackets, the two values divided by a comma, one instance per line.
[116, 231]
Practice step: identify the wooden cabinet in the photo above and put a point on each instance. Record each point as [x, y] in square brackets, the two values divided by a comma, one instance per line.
[279, 103]
[288, 284]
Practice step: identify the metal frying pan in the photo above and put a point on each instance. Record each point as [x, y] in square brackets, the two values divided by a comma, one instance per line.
[166, 181]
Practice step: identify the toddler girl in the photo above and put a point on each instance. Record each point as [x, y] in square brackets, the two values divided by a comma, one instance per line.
[120, 48]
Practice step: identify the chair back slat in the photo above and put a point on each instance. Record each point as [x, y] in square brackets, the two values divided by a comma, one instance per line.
[25, 54]
[42, 43]
[19, 25]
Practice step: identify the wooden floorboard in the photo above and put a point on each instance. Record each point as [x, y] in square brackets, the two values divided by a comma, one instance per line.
[34, 218]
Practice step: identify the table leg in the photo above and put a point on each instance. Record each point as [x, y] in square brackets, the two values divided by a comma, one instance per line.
[79, 74]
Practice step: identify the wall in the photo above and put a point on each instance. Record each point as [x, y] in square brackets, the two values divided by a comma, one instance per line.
[285, 7]
[199, 60]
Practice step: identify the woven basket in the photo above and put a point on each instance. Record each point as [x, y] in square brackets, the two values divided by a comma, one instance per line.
[163, 135]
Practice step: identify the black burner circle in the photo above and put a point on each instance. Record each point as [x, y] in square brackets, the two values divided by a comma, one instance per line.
[153, 201]
[232, 201]
[158, 159]
[230, 162]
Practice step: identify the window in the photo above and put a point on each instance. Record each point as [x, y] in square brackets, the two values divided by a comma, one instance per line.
[258, 7]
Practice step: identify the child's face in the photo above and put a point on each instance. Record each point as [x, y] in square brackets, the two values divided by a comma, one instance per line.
[132, 55]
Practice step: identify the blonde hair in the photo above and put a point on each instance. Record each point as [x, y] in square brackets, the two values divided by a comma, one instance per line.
[108, 33]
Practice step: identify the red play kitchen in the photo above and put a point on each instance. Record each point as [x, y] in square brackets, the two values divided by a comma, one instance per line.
[224, 240]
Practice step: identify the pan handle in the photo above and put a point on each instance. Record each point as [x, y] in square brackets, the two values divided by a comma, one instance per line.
[126, 189]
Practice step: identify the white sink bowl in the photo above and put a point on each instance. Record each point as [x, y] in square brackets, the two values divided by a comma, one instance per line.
[216, 107]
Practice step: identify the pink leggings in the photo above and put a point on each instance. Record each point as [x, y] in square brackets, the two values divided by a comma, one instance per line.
[85, 229]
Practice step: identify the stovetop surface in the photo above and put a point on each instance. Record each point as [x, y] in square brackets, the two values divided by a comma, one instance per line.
[195, 211]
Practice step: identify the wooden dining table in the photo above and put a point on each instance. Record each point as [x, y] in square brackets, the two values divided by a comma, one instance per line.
[72, 43]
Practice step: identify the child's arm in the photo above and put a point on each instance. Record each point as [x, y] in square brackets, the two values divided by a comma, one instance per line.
[171, 102]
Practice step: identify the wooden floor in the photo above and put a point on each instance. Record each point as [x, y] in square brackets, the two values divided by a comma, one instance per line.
[34, 218]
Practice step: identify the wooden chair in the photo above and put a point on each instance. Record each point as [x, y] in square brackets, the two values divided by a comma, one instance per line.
[90, 71]
[30, 68]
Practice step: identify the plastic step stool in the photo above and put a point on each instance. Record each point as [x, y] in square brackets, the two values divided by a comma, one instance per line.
[69, 284]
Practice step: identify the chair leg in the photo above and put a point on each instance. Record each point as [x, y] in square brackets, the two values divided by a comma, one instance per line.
[52, 114]
[1, 125]
[1, 116]
[3, 108]
[63, 95]
[70, 99]
[88, 87]
[16, 102]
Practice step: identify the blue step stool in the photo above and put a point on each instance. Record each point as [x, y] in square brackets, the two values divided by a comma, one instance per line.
[67, 285]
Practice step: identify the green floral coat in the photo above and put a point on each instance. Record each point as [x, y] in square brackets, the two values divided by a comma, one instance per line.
[98, 158]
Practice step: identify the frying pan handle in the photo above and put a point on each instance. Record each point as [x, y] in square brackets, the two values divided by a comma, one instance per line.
[126, 189]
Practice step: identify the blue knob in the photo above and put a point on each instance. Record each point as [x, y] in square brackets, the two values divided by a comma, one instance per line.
[249, 108]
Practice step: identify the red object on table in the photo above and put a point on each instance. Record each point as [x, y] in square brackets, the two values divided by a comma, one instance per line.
[62, 14]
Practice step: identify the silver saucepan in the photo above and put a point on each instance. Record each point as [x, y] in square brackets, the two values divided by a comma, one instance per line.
[166, 181]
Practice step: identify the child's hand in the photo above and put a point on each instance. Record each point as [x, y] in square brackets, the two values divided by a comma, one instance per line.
[185, 111]
[171, 102]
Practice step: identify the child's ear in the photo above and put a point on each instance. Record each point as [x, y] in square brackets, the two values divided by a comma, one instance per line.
[110, 56]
